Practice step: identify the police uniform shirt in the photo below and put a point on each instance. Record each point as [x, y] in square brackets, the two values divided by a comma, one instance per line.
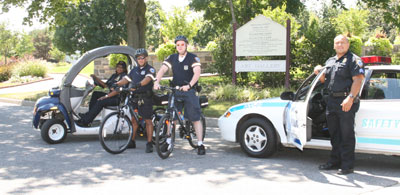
[114, 79]
[182, 70]
[137, 74]
[339, 72]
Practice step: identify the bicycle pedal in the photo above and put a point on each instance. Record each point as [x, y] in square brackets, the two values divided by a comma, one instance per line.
[141, 135]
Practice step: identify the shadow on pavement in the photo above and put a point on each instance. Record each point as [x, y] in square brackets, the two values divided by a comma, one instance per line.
[80, 160]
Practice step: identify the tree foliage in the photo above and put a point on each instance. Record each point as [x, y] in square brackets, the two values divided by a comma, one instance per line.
[7, 41]
[177, 24]
[218, 13]
[91, 24]
[352, 21]
[54, 12]
[153, 34]
[42, 43]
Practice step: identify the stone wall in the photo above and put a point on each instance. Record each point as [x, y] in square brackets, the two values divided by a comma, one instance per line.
[103, 70]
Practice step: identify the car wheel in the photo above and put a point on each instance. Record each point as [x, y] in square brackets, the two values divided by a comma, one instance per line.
[53, 131]
[257, 138]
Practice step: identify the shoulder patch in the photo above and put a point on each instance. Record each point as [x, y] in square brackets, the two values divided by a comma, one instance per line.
[197, 59]
[360, 63]
[152, 70]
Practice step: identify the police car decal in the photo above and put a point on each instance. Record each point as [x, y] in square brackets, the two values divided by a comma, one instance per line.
[258, 105]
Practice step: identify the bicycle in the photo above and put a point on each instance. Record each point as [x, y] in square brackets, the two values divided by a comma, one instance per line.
[166, 126]
[116, 130]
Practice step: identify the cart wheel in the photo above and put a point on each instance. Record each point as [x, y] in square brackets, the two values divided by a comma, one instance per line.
[53, 131]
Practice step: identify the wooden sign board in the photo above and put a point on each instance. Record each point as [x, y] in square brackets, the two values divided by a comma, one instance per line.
[261, 37]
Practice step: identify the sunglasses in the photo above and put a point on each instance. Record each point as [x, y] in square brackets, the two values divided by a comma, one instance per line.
[140, 58]
[180, 44]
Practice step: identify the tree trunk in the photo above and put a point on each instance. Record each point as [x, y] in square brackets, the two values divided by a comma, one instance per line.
[135, 23]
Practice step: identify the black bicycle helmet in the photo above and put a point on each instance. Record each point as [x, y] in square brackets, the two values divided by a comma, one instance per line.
[181, 38]
[141, 52]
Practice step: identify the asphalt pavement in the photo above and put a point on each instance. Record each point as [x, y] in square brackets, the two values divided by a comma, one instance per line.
[79, 165]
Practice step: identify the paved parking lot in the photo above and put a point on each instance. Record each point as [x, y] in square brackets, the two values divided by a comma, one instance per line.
[28, 165]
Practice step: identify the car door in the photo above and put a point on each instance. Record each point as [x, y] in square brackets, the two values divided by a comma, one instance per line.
[378, 119]
[298, 125]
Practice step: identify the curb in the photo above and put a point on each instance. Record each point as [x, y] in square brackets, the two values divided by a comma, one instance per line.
[45, 79]
[18, 102]
[210, 122]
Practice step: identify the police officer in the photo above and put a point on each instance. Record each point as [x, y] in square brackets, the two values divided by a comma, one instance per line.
[99, 100]
[140, 80]
[343, 79]
[186, 69]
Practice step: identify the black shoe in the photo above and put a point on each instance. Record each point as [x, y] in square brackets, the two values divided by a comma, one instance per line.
[328, 166]
[82, 115]
[132, 144]
[345, 171]
[201, 150]
[149, 147]
[81, 123]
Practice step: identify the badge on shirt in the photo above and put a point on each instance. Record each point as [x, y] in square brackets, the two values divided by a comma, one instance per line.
[152, 70]
[186, 67]
[197, 59]
[143, 72]
[344, 60]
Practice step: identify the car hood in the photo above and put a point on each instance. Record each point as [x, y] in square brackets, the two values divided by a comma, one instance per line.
[264, 103]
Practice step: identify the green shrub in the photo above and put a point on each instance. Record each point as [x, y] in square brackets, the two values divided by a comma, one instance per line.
[165, 50]
[36, 68]
[113, 59]
[57, 54]
[229, 92]
[5, 72]
[380, 46]
[355, 45]
[211, 46]
[59, 64]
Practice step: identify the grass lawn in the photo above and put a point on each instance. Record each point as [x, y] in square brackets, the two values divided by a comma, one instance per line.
[88, 70]
[31, 96]
[217, 108]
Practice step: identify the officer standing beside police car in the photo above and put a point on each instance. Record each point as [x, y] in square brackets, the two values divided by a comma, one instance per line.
[140, 79]
[343, 80]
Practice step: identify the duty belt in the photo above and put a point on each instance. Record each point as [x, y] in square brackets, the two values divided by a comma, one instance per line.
[339, 94]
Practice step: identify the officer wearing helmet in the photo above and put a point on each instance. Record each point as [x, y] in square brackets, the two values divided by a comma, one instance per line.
[186, 69]
[140, 80]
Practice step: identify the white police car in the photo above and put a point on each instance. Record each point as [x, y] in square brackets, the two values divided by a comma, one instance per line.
[298, 119]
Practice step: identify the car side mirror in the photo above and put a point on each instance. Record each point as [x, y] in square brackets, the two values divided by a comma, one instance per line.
[287, 95]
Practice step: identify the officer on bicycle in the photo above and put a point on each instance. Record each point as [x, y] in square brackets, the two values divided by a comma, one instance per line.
[186, 69]
[141, 81]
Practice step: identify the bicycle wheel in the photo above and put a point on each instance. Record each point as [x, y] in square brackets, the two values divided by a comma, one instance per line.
[115, 133]
[157, 115]
[163, 148]
[192, 133]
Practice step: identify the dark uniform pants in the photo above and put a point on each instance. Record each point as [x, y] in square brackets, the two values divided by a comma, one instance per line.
[145, 108]
[98, 106]
[341, 130]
